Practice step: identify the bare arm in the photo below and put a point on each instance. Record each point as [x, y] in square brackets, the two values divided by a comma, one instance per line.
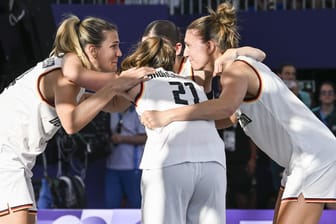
[252, 52]
[73, 115]
[138, 139]
[122, 101]
[231, 54]
[74, 71]
[234, 82]
[205, 78]
[226, 122]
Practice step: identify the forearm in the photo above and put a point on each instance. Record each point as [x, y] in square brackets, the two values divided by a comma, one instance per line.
[74, 117]
[225, 123]
[117, 104]
[208, 110]
[252, 52]
[74, 71]
[91, 80]
[139, 139]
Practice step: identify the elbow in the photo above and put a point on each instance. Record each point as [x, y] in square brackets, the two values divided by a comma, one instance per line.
[221, 110]
[227, 112]
[70, 129]
[71, 73]
[263, 56]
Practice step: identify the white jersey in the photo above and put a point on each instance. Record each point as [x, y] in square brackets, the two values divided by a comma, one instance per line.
[182, 141]
[289, 133]
[27, 120]
[185, 69]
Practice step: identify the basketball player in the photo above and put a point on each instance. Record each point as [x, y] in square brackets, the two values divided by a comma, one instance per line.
[168, 30]
[181, 164]
[36, 104]
[184, 171]
[275, 119]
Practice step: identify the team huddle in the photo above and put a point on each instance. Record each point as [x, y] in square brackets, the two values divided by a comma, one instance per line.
[184, 159]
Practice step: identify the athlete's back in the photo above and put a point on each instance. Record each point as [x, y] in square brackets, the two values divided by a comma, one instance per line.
[196, 141]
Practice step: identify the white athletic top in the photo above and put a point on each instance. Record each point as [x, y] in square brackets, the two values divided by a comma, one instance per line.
[282, 126]
[182, 141]
[185, 69]
[27, 121]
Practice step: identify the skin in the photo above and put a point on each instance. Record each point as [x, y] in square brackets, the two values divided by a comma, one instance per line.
[60, 91]
[199, 76]
[202, 77]
[18, 217]
[104, 59]
[239, 82]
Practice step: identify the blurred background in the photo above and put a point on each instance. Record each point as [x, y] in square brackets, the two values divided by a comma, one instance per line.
[298, 32]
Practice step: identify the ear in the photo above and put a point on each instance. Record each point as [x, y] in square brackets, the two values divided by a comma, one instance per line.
[91, 51]
[212, 47]
[179, 48]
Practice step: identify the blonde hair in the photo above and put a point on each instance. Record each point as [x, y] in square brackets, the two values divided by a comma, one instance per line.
[219, 26]
[73, 35]
[154, 52]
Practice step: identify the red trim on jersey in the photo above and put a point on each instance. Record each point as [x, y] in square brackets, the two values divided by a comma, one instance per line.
[260, 83]
[33, 212]
[182, 65]
[193, 75]
[17, 209]
[38, 87]
[312, 200]
[4, 212]
[21, 207]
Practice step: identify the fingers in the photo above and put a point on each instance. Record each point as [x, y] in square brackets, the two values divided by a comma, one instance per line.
[145, 120]
[218, 68]
[145, 71]
[138, 73]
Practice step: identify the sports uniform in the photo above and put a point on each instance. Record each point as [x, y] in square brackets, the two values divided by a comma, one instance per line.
[185, 69]
[184, 172]
[287, 131]
[27, 123]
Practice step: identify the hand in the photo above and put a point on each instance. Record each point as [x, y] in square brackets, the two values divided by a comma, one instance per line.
[231, 54]
[225, 60]
[131, 77]
[116, 138]
[154, 119]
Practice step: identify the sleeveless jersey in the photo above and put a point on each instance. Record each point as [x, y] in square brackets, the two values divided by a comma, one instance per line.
[282, 126]
[185, 69]
[181, 141]
[27, 121]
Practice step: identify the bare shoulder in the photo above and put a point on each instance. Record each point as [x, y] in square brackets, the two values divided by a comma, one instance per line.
[70, 57]
[71, 61]
[249, 74]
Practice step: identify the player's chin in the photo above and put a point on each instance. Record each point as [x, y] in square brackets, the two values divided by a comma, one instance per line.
[114, 67]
